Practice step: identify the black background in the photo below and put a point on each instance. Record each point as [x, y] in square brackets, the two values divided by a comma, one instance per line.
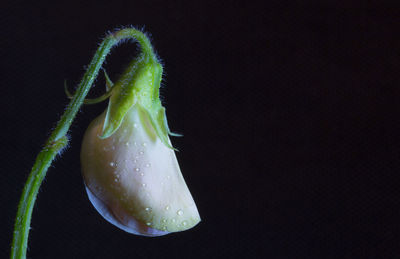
[289, 112]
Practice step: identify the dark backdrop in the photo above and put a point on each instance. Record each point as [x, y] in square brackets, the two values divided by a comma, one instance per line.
[289, 114]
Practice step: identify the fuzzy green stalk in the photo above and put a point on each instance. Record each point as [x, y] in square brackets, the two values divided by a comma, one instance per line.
[58, 139]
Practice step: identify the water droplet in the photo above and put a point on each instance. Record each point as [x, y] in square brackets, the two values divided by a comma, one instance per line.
[147, 209]
[143, 185]
[112, 164]
[134, 125]
[141, 174]
[135, 161]
[167, 207]
[168, 176]
[180, 212]
[173, 220]
[115, 180]
[127, 143]
[148, 165]
[141, 152]
[148, 224]
[164, 221]
[164, 228]
[144, 144]
[184, 223]
[137, 169]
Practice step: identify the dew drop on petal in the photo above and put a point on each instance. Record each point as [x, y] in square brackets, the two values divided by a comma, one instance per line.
[148, 165]
[167, 207]
[180, 212]
[143, 185]
[184, 223]
[137, 169]
[148, 223]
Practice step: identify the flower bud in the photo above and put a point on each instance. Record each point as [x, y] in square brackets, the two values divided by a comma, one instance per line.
[130, 170]
[134, 180]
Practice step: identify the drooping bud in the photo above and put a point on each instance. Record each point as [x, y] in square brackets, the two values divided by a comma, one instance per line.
[130, 170]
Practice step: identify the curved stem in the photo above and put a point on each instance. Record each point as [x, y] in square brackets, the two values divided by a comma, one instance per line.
[58, 140]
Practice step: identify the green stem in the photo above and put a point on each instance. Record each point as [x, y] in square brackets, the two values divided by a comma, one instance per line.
[58, 140]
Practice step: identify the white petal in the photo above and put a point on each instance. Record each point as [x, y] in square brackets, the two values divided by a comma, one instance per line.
[134, 180]
[130, 225]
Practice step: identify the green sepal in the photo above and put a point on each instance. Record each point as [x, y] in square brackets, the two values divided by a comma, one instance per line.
[173, 134]
[158, 120]
[109, 83]
[109, 88]
[124, 96]
[139, 85]
[153, 107]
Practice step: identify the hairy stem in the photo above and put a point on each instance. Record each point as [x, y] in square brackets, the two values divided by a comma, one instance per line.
[58, 140]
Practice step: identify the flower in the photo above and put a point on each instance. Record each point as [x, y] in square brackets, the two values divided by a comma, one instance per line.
[129, 166]
[134, 180]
